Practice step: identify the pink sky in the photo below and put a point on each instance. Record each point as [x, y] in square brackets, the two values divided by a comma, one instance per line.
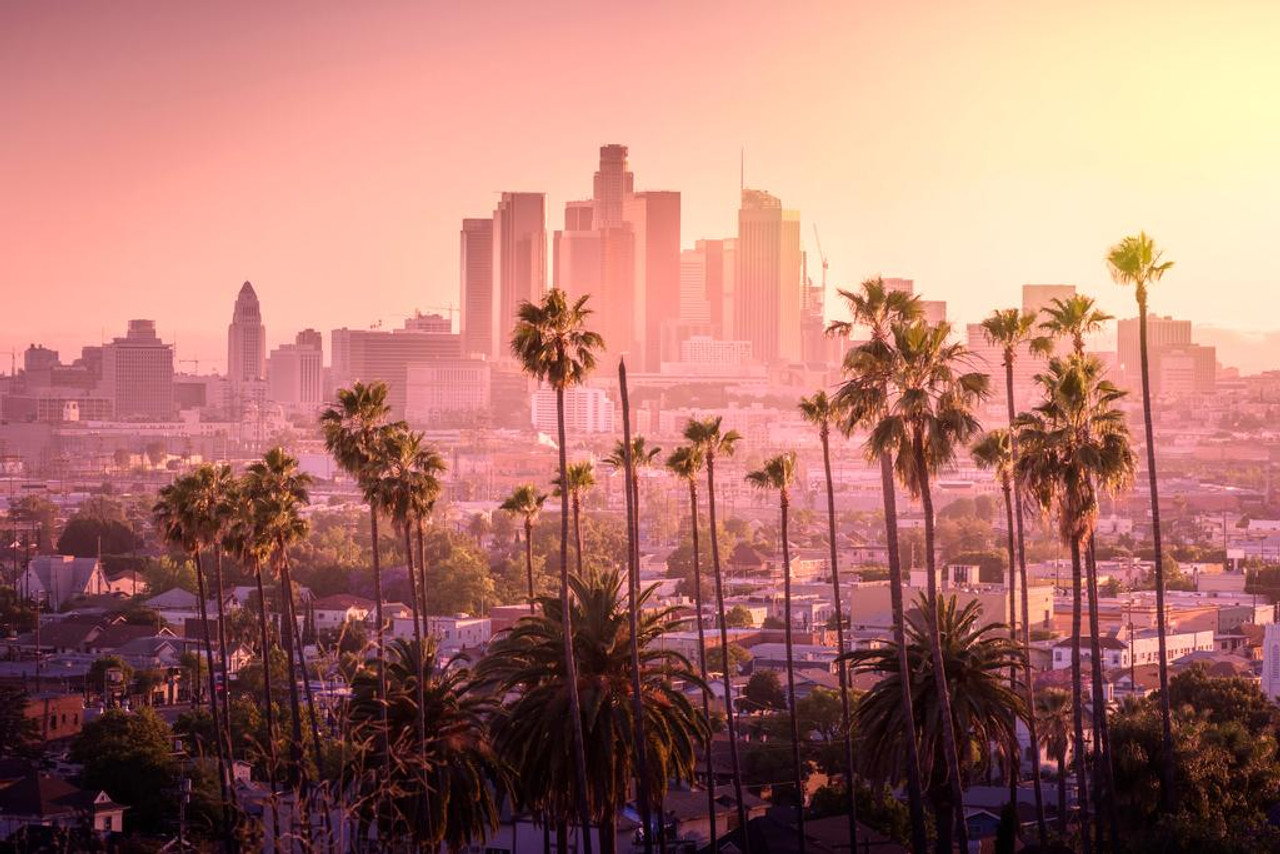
[155, 155]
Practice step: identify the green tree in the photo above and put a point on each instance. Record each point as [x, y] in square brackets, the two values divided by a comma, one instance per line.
[552, 343]
[18, 733]
[764, 691]
[128, 755]
[739, 618]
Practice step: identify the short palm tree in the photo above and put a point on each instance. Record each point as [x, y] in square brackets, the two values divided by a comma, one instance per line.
[686, 464]
[552, 343]
[467, 777]
[822, 411]
[526, 502]
[581, 478]
[707, 439]
[862, 397]
[1053, 714]
[1137, 261]
[1074, 445]
[527, 665]
[978, 708]
[777, 474]
[1074, 318]
[928, 416]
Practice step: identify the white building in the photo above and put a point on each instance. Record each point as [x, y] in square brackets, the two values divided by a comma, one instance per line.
[446, 389]
[1271, 661]
[1142, 648]
[57, 579]
[586, 410]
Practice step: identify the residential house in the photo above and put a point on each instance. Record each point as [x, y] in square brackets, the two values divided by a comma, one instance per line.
[39, 800]
[58, 579]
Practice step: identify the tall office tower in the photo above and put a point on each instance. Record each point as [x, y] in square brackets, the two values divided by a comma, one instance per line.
[613, 183]
[246, 339]
[137, 374]
[476, 266]
[767, 278]
[519, 261]
[906, 286]
[654, 217]
[933, 311]
[717, 262]
[1165, 338]
[599, 262]
[295, 372]
[694, 305]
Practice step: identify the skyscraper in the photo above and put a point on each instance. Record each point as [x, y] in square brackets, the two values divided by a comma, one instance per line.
[137, 374]
[767, 278]
[295, 372]
[246, 340]
[654, 217]
[476, 266]
[519, 261]
[612, 184]
[367, 355]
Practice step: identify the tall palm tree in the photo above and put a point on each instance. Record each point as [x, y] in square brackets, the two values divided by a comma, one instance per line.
[527, 665]
[1139, 262]
[686, 463]
[709, 441]
[778, 473]
[1073, 445]
[1012, 330]
[1074, 318]
[469, 779]
[526, 502]
[821, 411]
[978, 708]
[1053, 714]
[581, 478]
[354, 434]
[184, 515]
[929, 414]
[863, 396]
[223, 489]
[552, 343]
[277, 491]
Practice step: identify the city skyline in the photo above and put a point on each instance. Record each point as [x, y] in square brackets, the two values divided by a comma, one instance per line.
[173, 180]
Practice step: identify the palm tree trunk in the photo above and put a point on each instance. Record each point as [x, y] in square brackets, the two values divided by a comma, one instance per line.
[270, 704]
[1103, 768]
[1015, 753]
[796, 770]
[724, 650]
[702, 659]
[224, 764]
[577, 530]
[915, 790]
[1062, 793]
[288, 638]
[326, 818]
[950, 751]
[418, 620]
[1041, 825]
[528, 557]
[383, 734]
[633, 606]
[846, 727]
[224, 659]
[1169, 794]
[566, 616]
[1077, 699]
[422, 579]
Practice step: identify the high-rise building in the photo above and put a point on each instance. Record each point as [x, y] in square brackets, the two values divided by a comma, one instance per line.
[612, 184]
[368, 355]
[654, 217]
[1190, 369]
[246, 339]
[695, 307]
[519, 261]
[767, 279]
[1037, 298]
[476, 266]
[295, 372]
[599, 262]
[137, 374]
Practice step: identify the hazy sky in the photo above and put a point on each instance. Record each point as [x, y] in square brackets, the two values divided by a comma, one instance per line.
[155, 155]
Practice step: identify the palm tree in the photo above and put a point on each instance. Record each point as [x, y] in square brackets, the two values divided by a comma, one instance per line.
[1075, 318]
[552, 343]
[778, 473]
[862, 398]
[929, 414]
[686, 463]
[528, 665]
[1074, 444]
[1011, 329]
[978, 707]
[277, 490]
[821, 411]
[1053, 715]
[581, 477]
[526, 502]
[223, 487]
[186, 520]
[469, 779]
[1139, 262]
[354, 431]
[706, 437]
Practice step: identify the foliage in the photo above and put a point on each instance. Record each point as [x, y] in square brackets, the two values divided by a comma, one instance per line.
[764, 691]
[17, 731]
[129, 756]
[878, 808]
[97, 676]
[738, 617]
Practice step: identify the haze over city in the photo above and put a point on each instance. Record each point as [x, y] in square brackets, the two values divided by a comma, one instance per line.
[648, 429]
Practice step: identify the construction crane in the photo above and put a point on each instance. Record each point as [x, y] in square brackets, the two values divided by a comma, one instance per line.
[195, 362]
[822, 256]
